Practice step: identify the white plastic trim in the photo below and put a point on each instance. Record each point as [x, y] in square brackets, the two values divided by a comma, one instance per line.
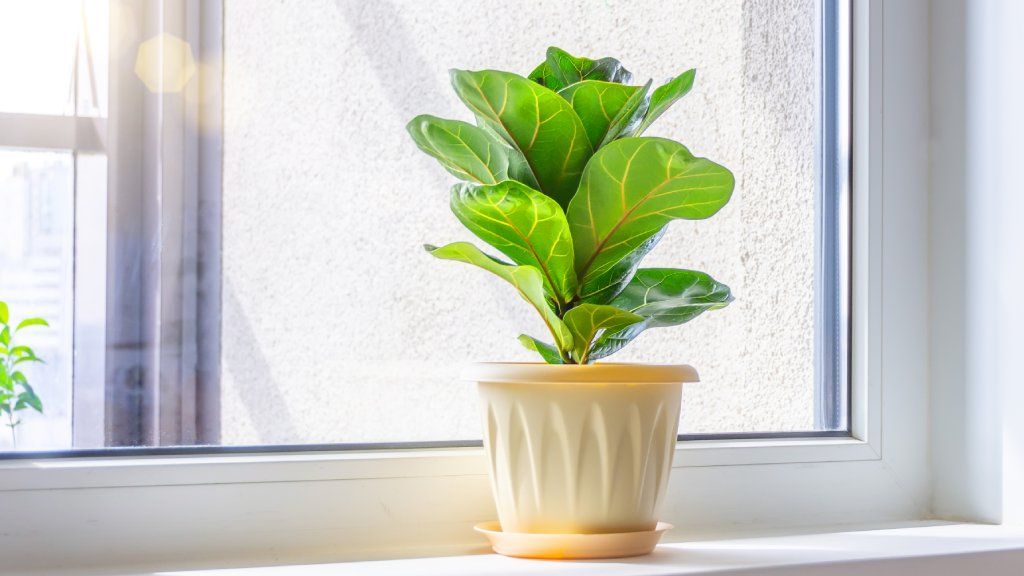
[52, 132]
[67, 473]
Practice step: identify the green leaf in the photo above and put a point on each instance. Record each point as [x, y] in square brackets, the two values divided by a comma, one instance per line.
[525, 225]
[4, 313]
[664, 297]
[548, 352]
[605, 108]
[630, 191]
[629, 117]
[543, 75]
[665, 96]
[612, 341]
[5, 336]
[560, 69]
[535, 121]
[31, 322]
[526, 279]
[22, 352]
[670, 297]
[466, 151]
[588, 321]
[569, 69]
[30, 398]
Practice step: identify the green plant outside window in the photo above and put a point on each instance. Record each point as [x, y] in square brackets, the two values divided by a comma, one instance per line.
[16, 394]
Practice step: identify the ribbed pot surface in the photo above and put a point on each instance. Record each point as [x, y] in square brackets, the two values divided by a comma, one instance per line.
[579, 451]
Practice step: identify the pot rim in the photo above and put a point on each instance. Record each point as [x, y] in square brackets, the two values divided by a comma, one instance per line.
[600, 373]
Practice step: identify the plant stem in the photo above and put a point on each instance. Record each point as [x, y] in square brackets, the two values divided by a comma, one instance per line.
[14, 436]
[566, 358]
[9, 403]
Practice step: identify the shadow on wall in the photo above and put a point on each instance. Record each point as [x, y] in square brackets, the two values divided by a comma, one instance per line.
[393, 56]
[256, 389]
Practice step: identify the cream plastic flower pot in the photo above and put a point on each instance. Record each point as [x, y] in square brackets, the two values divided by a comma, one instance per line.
[579, 449]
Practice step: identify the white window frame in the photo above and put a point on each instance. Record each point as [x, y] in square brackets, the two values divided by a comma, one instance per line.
[314, 506]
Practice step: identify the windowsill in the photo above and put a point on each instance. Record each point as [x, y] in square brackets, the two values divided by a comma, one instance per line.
[933, 548]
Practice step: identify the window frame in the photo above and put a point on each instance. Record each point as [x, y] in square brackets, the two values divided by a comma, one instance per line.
[174, 204]
[362, 504]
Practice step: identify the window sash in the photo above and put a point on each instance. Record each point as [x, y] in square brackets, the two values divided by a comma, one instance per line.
[163, 324]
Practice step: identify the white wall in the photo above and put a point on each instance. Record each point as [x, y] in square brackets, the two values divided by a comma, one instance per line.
[977, 260]
[338, 328]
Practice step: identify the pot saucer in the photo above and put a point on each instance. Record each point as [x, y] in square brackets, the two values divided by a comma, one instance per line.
[571, 546]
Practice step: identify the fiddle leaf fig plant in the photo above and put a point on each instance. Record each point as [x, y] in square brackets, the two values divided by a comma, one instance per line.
[557, 177]
[16, 394]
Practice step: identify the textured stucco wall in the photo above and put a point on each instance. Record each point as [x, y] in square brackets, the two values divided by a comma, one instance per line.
[338, 328]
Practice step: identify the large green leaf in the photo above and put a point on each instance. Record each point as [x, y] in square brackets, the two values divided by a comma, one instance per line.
[664, 297]
[525, 225]
[4, 313]
[629, 117]
[606, 108]
[548, 352]
[534, 120]
[629, 192]
[669, 296]
[526, 279]
[665, 96]
[588, 321]
[567, 69]
[466, 151]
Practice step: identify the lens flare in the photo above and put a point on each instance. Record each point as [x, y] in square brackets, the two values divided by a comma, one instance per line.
[165, 63]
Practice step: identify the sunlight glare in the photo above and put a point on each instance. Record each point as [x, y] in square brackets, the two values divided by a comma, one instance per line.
[37, 55]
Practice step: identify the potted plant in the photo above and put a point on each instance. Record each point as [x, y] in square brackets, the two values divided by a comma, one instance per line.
[16, 394]
[558, 177]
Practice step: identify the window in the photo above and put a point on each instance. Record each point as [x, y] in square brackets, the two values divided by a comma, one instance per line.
[245, 269]
[338, 504]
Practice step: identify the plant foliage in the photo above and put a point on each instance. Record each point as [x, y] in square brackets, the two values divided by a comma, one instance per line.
[557, 177]
[16, 394]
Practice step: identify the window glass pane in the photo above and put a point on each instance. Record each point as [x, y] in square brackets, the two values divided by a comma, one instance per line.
[37, 55]
[36, 267]
[261, 280]
[40, 43]
[338, 328]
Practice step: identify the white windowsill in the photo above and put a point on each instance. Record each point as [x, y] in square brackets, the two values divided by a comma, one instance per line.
[936, 549]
